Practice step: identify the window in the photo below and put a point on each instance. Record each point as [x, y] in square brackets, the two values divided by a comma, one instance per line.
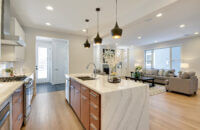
[149, 59]
[42, 63]
[162, 58]
[165, 58]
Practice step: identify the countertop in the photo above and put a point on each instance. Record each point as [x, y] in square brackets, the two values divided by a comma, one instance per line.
[101, 85]
[7, 89]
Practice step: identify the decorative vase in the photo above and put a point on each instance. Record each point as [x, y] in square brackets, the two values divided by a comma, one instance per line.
[113, 76]
[137, 75]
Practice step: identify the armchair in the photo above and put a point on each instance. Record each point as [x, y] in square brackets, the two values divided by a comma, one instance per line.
[187, 86]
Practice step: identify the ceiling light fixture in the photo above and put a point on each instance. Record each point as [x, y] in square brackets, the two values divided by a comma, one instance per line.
[156, 41]
[116, 32]
[97, 39]
[50, 8]
[196, 33]
[139, 37]
[182, 26]
[87, 44]
[84, 30]
[48, 24]
[159, 15]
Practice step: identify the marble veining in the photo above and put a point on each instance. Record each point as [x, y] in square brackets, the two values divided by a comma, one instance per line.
[124, 106]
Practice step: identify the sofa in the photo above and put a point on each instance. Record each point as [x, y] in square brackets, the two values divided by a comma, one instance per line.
[187, 83]
[161, 76]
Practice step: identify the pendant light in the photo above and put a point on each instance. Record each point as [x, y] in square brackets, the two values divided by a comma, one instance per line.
[87, 44]
[116, 32]
[97, 39]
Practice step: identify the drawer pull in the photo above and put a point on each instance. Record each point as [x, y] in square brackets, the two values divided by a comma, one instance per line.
[19, 117]
[83, 97]
[93, 105]
[77, 91]
[94, 95]
[72, 86]
[93, 116]
[93, 127]
[84, 89]
[18, 90]
[20, 100]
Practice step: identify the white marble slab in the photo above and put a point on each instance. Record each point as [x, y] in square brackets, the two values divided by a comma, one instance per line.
[7, 89]
[124, 106]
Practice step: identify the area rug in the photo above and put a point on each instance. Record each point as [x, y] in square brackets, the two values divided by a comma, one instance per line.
[158, 89]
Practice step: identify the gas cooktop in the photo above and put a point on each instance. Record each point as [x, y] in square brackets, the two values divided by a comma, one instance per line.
[12, 79]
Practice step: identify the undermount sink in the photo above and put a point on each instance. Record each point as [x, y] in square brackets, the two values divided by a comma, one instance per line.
[86, 78]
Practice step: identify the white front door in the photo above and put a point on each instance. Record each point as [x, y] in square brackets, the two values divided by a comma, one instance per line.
[60, 61]
[43, 62]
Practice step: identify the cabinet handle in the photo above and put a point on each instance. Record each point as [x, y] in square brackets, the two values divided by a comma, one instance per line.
[93, 116]
[83, 97]
[94, 95]
[93, 105]
[19, 117]
[77, 91]
[93, 127]
[83, 88]
[72, 86]
[18, 90]
[19, 101]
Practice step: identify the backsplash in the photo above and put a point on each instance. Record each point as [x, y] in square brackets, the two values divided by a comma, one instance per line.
[17, 67]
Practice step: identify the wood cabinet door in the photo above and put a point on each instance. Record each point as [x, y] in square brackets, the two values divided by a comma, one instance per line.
[77, 102]
[72, 96]
[85, 111]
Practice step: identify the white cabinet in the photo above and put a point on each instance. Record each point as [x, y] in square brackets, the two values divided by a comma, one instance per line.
[12, 53]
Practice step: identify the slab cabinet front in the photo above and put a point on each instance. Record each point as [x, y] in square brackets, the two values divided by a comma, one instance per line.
[86, 104]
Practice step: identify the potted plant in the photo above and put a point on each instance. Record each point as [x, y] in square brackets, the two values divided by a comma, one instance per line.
[138, 70]
[10, 70]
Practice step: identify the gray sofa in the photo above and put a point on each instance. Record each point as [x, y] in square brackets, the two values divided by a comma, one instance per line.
[186, 83]
[161, 76]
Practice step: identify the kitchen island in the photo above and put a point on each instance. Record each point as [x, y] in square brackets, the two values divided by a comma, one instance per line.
[108, 106]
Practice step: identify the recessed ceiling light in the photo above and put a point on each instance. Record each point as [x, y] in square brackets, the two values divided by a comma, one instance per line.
[156, 41]
[182, 26]
[84, 30]
[48, 24]
[139, 37]
[50, 8]
[159, 15]
[196, 33]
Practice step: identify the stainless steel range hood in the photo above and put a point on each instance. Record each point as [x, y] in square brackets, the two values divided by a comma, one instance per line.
[8, 37]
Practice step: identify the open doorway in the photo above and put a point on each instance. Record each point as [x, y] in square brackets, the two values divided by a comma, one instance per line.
[52, 64]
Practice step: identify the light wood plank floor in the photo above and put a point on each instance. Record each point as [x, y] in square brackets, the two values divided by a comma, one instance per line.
[168, 111]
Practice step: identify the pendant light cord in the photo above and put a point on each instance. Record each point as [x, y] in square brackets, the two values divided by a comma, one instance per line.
[87, 21]
[98, 21]
[116, 10]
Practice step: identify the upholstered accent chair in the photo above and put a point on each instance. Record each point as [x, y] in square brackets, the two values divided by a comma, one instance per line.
[187, 83]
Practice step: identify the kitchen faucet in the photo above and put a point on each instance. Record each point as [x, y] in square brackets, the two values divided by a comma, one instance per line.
[95, 69]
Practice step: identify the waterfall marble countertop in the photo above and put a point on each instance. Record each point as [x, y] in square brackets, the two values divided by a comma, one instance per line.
[7, 89]
[101, 84]
[124, 106]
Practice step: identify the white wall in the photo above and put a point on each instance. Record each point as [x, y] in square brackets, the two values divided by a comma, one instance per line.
[190, 52]
[79, 57]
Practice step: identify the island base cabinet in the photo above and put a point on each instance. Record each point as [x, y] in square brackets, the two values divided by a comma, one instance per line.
[86, 105]
[85, 111]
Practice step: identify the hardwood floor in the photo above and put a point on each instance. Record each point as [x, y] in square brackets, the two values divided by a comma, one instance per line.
[51, 112]
[171, 111]
[168, 111]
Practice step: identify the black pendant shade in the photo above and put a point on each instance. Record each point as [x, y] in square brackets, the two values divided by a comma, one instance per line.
[87, 44]
[98, 39]
[116, 32]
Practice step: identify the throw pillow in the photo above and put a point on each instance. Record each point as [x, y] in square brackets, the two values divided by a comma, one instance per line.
[166, 73]
[160, 72]
[185, 75]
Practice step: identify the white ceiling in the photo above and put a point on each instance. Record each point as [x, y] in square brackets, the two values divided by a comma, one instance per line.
[69, 15]
[136, 17]
[165, 28]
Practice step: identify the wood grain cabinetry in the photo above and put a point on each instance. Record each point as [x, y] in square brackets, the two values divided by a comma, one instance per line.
[86, 104]
[17, 109]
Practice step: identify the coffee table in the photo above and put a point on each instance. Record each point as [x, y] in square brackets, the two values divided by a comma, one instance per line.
[143, 79]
